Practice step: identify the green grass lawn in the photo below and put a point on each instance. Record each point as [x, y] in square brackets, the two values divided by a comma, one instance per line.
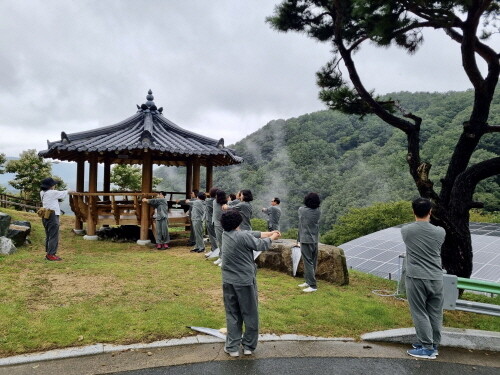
[124, 293]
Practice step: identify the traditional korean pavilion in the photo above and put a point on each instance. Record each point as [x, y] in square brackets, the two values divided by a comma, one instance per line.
[145, 138]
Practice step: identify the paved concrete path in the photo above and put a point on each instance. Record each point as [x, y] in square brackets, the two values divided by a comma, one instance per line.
[280, 357]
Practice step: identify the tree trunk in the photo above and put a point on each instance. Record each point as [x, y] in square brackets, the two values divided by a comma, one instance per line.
[456, 252]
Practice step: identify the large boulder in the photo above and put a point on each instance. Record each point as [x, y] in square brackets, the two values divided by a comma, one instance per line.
[4, 223]
[7, 246]
[332, 265]
[18, 232]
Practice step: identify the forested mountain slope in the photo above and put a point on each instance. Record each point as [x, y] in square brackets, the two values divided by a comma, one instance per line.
[353, 162]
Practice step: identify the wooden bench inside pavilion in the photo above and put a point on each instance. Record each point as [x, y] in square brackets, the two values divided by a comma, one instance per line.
[146, 138]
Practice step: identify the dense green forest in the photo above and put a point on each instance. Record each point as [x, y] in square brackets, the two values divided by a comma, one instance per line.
[350, 162]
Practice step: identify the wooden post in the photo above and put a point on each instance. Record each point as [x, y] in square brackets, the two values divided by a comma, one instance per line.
[196, 174]
[80, 178]
[210, 176]
[189, 179]
[147, 182]
[106, 188]
[91, 224]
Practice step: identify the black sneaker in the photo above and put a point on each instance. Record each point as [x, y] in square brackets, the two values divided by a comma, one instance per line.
[194, 250]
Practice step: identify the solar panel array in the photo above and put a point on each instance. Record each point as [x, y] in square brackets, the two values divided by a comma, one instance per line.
[379, 253]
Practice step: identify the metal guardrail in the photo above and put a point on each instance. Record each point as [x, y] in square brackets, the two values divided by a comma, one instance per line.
[478, 285]
[478, 307]
[451, 285]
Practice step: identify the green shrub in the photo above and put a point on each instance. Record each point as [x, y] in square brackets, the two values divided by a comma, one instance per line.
[259, 225]
[480, 216]
[291, 233]
[359, 222]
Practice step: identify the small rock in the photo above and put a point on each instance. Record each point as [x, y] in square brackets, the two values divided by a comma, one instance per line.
[80, 338]
[150, 354]
[7, 246]
[367, 347]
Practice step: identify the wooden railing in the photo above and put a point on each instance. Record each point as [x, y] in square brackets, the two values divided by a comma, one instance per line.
[18, 203]
[122, 208]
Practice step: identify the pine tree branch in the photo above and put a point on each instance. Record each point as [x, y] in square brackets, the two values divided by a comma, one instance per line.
[466, 182]
[493, 129]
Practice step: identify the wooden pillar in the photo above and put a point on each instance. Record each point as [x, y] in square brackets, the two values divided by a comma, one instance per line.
[196, 174]
[106, 188]
[147, 182]
[91, 224]
[80, 179]
[189, 179]
[210, 176]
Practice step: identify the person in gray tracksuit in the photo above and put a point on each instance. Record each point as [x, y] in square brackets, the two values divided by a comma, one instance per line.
[274, 213]
[209, 204]
[239, 284]
[245, 208]
[218, 203]
[308, 238]
[197, 217]
[234, 199]
[424, 278]
[161, 205]
[194, 195]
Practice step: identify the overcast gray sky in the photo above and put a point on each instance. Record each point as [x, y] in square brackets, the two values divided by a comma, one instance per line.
[215, 66]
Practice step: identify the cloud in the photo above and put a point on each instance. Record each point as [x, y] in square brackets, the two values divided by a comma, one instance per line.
[68, 65]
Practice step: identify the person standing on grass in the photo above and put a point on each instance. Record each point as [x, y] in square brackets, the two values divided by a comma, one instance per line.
[274, 213]
[424, 278]
[161, 206]
[219, 202]
[244, 207]
[308, 239]
[197, 207]
[209, 207]
[194, 195]
[234, 199]
[50, 201]
[239, 284]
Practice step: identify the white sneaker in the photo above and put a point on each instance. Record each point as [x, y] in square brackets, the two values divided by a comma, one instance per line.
[247, 352]
[232, 354]
[214, 254]
[220, 264]
[207, 255]
[218, 261]
[309, 290]
[304, 285]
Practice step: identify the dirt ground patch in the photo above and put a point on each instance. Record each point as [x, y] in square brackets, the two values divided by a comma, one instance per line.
[70, 288]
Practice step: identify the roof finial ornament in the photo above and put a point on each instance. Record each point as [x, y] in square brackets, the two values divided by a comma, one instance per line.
[150, 104]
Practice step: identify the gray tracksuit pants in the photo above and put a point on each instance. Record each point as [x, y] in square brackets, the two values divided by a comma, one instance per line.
[425, 298]
[197, 229]
[241, 304]
[51, 226]
[212, 235]
[162, 235]
[310, 256]
[218, 235]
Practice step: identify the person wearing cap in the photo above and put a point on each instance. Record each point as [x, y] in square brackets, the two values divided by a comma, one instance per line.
[274, 213]
[50, 201]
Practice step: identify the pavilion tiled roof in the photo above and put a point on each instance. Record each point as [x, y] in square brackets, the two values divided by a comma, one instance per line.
[146, 131]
